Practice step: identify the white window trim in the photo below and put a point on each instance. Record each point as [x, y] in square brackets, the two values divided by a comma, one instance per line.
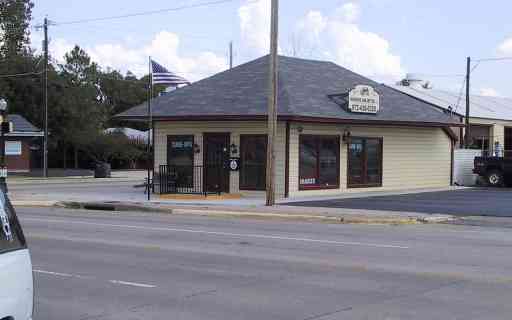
[13, 148]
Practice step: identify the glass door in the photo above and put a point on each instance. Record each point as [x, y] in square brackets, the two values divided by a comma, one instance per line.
[216, 154]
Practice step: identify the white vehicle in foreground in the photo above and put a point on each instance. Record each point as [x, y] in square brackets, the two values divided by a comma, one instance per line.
[16, 280]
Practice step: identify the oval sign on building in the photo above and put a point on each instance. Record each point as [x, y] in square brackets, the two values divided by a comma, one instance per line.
[363, 99]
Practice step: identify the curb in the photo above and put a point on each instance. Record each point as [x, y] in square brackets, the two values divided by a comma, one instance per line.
[437, 218]
[34, 203]
[208, 212]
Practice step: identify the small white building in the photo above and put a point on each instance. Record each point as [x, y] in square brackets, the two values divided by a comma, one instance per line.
[132, 134]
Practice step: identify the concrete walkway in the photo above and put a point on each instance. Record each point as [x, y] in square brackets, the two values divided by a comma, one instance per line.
[136, 176]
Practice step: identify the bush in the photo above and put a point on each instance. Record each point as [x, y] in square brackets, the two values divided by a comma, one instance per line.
[105, 147]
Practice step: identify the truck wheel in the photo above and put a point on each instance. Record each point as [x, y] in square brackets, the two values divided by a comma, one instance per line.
[495, 178]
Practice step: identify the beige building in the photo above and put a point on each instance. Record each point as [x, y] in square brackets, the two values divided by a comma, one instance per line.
[337, 132]
[490, 117]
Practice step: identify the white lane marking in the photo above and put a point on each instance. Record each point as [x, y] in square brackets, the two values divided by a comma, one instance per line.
[58, 274]
[68, 275]
[219, 233]
[133, 284]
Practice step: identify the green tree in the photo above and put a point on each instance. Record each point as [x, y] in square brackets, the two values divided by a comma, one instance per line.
[121, 93]
[79, 108]
[15, 17]
[23, 93]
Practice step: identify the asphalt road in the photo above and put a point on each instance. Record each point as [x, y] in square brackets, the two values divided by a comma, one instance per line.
[467, 202]
[101, 265]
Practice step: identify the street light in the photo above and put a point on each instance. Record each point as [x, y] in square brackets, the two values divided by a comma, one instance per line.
[3, 167]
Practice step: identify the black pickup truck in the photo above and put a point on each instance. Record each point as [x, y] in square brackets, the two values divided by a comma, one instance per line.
[497, 171]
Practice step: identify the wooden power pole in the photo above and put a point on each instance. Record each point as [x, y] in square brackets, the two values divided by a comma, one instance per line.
[467, 135]
[272, 104]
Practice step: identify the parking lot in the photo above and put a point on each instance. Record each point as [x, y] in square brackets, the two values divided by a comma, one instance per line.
[467, 202]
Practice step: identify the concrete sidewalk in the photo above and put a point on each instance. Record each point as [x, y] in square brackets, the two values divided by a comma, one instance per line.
[135, 176]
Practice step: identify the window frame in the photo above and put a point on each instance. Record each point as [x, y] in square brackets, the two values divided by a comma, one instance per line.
[180, 137]
[318, 138]
[365, 165]
[241, 186]
[19, 147]
[184, 175]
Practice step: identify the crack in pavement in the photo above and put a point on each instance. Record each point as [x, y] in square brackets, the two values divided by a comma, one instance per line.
[204, 292]
[318, 316]
[398, 297]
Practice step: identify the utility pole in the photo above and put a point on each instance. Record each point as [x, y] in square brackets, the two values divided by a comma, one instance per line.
[231, 55]
[467, 133]
[272, 104]
[45, 100]
[150, 127]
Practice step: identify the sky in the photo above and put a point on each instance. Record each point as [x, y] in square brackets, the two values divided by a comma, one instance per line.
[381, 39]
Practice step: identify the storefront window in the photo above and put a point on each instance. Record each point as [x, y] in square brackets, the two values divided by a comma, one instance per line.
[253, 159]
[318, 162]
[365, 162]
[180, 159]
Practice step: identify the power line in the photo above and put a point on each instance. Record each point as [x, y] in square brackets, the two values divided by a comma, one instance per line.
[494, 59]
[460, 95]
[439, 75]
[475, 66]
[183, 36]
[145, 13]
[20, 74]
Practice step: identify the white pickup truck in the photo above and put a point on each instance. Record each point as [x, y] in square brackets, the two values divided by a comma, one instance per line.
[16, 279]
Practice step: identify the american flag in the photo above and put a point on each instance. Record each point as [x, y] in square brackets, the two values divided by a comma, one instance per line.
[160, 75]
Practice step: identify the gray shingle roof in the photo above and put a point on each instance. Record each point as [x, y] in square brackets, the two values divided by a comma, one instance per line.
[20, 124]
[304, 89]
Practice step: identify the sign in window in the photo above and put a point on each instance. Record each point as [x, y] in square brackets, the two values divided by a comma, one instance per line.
[13, 148]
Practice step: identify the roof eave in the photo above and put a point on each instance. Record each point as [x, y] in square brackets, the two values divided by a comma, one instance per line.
[295, 118]
[25, 134]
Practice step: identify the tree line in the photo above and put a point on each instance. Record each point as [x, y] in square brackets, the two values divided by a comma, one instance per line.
[82, 95]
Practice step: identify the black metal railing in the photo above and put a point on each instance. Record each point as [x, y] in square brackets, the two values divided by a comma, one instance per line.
[489, 147]
[493, 152]
[190, 179]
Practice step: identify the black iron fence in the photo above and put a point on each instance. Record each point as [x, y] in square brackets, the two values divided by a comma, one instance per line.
[190, 179]
[490, 148]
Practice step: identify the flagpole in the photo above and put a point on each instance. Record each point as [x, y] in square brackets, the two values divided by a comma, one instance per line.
[150, 121]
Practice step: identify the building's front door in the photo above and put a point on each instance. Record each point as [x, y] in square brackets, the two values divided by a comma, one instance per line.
[216, 154]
